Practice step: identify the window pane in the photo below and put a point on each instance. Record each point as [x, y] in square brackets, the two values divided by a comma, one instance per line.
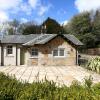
[55, 52]
[34, 52]
[61, 52]
[9, 50]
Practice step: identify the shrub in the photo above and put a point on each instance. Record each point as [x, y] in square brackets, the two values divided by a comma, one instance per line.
[88, 82]
[94, 64]
[11, 89]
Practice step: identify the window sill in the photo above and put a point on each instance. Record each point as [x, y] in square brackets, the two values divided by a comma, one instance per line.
[9, 55]
[34, 57]
[59, 56]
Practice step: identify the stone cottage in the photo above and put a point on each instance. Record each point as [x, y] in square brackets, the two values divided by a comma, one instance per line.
[39, 49]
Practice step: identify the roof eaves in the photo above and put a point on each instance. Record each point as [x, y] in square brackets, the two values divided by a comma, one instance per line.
[73, 39]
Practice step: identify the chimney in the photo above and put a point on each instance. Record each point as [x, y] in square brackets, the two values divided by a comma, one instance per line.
[43, 29]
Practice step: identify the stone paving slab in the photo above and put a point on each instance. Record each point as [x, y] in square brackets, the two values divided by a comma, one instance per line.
[61, 75]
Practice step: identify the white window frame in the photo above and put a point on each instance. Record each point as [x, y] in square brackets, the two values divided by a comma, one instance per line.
[58, 53]
[8, 48]
[37, 51]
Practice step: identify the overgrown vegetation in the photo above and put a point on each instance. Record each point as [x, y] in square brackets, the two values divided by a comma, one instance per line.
[11, 89]
[94, 64]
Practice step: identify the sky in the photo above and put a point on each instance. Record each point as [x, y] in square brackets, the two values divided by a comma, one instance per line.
[39, 10]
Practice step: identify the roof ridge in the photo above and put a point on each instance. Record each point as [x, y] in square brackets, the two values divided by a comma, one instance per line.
[50, 36]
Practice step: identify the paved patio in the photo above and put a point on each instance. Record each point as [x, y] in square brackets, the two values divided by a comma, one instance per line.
[62, 74]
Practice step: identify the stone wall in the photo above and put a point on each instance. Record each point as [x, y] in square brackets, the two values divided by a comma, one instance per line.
[45, 54]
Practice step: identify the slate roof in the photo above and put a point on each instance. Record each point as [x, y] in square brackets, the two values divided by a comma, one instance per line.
[42, 39]
[73, 39]
[36, 39]
[18, 38]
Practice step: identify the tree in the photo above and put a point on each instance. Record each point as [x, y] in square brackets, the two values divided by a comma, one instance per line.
[10, 27]
[30, 29]
[89, 40]
[96, 27]
[81, 23]
[13, 29]
[4, 28]
[82, 27]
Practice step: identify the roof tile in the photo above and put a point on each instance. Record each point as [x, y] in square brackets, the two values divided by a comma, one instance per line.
[36, 39]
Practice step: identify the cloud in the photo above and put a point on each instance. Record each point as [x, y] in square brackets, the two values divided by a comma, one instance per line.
[6, 6]
[87, 5]
[9, 4]
[24, 20]
[64, 22]
[39, 7]
[23, 7]
[43, 9]
[3, 16]
[26, 8]
[33, 3]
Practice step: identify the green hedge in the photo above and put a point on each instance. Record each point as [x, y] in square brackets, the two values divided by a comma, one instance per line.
[11, 89]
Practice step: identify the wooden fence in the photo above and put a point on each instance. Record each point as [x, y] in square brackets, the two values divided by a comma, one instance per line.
[93, 51]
